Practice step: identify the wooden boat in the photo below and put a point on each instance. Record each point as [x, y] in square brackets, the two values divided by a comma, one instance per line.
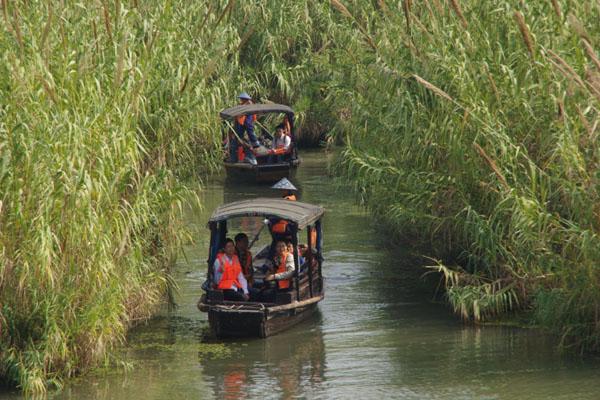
[260, 319]
[262, 170]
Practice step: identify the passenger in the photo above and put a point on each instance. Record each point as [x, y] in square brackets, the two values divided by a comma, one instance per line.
[290, 249]
[282, 271]
[286, 125]
[243, 124]
[280, 146]
[245, 257]
[307, 257]
[228, 275]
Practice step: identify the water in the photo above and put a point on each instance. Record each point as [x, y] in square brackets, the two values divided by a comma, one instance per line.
[377, 334]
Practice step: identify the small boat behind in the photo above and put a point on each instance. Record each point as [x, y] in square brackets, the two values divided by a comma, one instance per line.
[260, 166]
[287, 307]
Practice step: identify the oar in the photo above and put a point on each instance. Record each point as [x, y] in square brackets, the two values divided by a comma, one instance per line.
[240, 140]
[265, 223]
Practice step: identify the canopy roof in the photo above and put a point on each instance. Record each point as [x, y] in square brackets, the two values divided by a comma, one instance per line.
[302, 214]
[247, 109]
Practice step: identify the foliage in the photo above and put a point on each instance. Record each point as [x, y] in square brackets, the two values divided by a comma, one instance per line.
[104, 106]
[474, 125]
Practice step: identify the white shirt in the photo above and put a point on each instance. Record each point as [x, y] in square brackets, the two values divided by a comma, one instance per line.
[283, 142]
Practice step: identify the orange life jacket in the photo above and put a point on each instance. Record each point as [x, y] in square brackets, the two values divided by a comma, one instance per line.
[241, 154]
[242, 119]
[279, 150]
[281, 225]
[313, 237]
[283, 283]
[231, 271]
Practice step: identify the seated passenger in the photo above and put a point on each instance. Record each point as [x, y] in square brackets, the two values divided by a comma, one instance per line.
[280, 146]
[290, 249]
[228, 275]
[282, 272]
[245, 256]
[309, 257]
[285, 124]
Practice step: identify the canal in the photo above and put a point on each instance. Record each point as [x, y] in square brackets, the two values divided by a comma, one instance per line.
[377, 333]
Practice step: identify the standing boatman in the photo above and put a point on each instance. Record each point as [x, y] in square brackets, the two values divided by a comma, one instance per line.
[287, 187]
[243, 123]
[279, 227]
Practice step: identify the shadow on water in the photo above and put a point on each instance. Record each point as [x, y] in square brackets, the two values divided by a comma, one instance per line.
[377, 334]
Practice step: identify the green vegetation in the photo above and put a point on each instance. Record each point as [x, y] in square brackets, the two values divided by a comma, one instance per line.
[103, 105]
[473, 126]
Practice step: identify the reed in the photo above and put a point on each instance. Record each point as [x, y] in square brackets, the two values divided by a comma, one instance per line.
[98, 138]
[557, 9]
[455, 5]
[480, 165]
[527, 39]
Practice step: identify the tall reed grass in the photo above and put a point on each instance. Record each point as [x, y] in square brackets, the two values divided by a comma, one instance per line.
[476, 130]
[104, 107]
[472, 126]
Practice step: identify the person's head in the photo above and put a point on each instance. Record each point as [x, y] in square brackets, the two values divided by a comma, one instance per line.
[302, 249]
[280, 133]
[280, 247]
[241, 241]
[289, 246]
[229, 247]
[245, 98]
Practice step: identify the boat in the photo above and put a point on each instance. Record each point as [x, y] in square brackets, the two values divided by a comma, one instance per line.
[260, 169]
[263, 319]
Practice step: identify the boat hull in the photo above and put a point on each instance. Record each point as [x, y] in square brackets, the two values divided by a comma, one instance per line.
[234, 320]
[266, 173]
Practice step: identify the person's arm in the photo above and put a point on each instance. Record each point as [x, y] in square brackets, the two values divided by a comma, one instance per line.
[289, 269]
[217, 272]
[287, 141]
[242, 280]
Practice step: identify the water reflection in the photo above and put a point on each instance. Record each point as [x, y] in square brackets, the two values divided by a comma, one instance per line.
[285, 366]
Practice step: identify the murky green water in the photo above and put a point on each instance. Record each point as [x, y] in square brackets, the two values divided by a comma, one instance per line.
[377, 335]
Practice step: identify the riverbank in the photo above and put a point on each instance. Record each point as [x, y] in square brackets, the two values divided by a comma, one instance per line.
[485, 157]
[105, 108]
[474, 127]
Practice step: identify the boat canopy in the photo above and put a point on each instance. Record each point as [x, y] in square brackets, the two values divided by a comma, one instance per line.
[248, 109]
[302, 214]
